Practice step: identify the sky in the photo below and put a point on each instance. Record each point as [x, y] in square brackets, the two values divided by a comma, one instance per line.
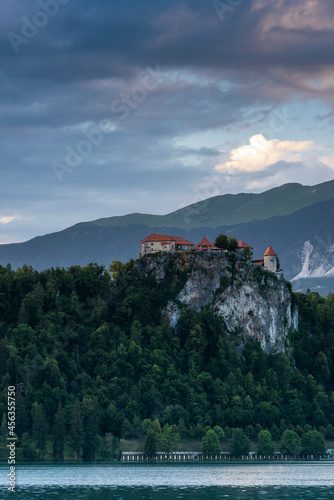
[122, 106]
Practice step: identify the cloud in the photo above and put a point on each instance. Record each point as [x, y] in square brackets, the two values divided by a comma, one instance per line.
[312, 15]
[7, 219]
[328, 160]
[224, 81]
[260, 153]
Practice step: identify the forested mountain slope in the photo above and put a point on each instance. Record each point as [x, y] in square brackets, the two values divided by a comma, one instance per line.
[100, 355]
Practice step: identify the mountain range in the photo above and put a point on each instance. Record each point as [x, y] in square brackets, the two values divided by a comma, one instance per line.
[296, 220]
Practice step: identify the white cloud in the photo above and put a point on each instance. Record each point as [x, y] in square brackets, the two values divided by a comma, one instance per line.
[6, 219]
[260, 153]
[328, 160]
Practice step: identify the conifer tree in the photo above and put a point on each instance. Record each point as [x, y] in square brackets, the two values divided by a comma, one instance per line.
[76, 429]
[150, 447]
[90, 429]
[21, 415]
[29, 452]
[4, 435]
[39, 428]
[59, 434]
[232, 245]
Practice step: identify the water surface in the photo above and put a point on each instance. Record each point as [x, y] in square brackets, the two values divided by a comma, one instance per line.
[313, 480]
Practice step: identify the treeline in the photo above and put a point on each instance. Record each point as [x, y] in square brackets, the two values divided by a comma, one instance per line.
[93, 360]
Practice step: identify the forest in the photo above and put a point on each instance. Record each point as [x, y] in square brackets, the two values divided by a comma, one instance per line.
[93, 360]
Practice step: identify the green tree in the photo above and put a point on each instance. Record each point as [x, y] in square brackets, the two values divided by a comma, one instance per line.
[329, 431]
[266, 446]
[219, 431]
[29, 452]
[21, 415]
[313, 443]
[116, 269]
[90, 429]
[76, 429]
[146, 426]
[250, 431]
[240, 443]
[169, 439]
[150, 446]
[116, 450]
[275, 433]
[210, 444]
[247, 253]
[59, 434]
[39, 426]
[290, 443]
[110, 449]
[232, 245]
[321, 368]
[52, 372]
[222, 242]
[4, 435]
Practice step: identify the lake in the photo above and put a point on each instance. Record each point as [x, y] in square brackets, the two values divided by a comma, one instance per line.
[214, 481]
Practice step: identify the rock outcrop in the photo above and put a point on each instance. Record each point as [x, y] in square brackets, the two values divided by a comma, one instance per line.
[252, 302]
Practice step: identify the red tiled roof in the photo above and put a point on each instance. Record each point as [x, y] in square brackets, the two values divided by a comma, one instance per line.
[166, 240]
[181, 241]
[157, 237]
[258, 262]
[270, 251]
[242, 244]
[204, 243]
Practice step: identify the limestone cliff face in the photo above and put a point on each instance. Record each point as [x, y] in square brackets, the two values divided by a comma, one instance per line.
[251, 301]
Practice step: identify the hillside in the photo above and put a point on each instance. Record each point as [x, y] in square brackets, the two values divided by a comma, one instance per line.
[286, 218]
[228, 210]
[99, 359]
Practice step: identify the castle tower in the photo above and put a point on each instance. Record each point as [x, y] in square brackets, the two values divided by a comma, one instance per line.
[270, 260]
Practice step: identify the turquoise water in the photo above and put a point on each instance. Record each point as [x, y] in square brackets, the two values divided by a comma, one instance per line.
[168, 481]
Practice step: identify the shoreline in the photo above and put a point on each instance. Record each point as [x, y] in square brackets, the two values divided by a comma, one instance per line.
[171, 461]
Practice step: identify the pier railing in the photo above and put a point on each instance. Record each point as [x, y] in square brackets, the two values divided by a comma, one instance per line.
[223, 457]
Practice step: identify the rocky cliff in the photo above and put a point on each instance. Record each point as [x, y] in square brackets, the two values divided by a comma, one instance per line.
[252, 302]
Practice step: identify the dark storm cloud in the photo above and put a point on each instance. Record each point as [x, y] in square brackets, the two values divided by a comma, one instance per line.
[89, 42]
[110, 39]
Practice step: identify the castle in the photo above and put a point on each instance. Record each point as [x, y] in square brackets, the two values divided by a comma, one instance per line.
[269, 262]
[164, 243]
